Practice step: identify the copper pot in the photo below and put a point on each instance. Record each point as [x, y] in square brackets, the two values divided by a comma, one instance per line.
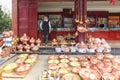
[11, 33]
[76, 70]
[110, 76]
[115, 60]
[82, 45]
[106, 69]
[93, 60]
[7, 51]
[32, 45]
[63, 56]
[20, 61]
[85, 63]
[27, 47]
[24, 39]
[89, 74]
[6, 34]
[73, 59]
[91, 46]
[1, 43]
[116, 72]
[20, 47]
[32, 40]
[54, 42]
[52, 66]
[38, 42]
[35, 56]
[23, 69]
[110, 56]
[63, 65]
[53, 57]
[83, 58]
[100, 56]
[100, 65]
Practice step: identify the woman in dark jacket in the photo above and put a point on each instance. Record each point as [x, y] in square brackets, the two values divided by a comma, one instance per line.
[45, 27]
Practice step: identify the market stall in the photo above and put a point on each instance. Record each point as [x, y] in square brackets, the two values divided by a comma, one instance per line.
[60, 59]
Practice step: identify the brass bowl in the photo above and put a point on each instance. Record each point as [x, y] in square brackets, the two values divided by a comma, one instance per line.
[10, 67]
[74, 64]
[53, 61]
[71, 76]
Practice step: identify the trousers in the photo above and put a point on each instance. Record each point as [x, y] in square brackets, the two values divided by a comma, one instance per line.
[45, 38]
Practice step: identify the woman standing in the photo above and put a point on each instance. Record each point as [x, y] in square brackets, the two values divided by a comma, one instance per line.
[45, 27]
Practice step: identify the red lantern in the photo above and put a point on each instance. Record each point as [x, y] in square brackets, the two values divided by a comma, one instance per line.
[112, 2]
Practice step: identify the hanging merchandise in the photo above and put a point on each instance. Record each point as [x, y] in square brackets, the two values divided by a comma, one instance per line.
[81, 16]
[112, 2]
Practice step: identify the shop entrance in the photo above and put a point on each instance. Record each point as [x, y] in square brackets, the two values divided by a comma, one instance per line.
[61, 16]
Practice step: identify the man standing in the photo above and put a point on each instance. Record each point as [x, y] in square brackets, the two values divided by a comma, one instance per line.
[45, 27]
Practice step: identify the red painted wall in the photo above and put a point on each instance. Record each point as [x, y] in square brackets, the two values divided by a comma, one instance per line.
[25, 17]
[32, 19]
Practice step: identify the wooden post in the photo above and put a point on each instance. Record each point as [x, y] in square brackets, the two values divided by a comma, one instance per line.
[82, 13]
[15, 16]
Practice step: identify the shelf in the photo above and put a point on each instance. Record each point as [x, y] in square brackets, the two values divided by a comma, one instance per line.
[114, 21]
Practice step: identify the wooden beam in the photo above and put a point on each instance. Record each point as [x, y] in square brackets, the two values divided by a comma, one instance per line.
[65, 0]
[55, 0]
[97, 0]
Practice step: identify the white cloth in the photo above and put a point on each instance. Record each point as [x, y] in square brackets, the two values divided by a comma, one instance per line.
[7, 41]
[0, 50]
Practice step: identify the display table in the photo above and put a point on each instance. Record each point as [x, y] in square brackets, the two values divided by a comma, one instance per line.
[34, 72]
[2, 60]
[51, 51]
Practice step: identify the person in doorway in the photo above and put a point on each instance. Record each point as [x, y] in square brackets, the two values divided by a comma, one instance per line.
[45, 27]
